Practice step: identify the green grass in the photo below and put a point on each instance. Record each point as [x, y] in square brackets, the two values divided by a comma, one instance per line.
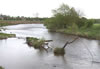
[36, 43]
[5, 36]
[93, 32]
[96, 26]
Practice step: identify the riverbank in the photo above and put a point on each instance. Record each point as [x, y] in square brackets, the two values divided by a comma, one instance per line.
[90, 33]
[14, 22]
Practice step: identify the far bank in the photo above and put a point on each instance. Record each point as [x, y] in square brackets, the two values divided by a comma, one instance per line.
[90, 33]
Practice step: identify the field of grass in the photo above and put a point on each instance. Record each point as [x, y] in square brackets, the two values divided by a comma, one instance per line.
[93, 32]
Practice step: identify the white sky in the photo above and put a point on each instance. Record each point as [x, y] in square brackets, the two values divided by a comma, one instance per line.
[91, 8]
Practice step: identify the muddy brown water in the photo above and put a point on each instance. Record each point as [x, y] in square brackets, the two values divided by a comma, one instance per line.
[16, 54]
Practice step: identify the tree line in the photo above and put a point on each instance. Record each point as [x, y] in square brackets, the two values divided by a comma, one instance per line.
[7, 17]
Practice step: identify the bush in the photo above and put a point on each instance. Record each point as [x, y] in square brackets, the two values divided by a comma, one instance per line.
[90, 23]
[81, 22]
[73, 28]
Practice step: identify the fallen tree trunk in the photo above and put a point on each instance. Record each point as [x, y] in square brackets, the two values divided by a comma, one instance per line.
[69, 42]
[61, 51]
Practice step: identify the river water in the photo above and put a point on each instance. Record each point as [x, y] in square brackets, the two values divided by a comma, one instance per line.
[16, 54]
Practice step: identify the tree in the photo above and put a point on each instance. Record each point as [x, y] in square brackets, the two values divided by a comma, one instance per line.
[63, 17]
[63, 10]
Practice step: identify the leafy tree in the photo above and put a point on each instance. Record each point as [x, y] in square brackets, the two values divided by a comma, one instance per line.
[63, 10]
[63, 17]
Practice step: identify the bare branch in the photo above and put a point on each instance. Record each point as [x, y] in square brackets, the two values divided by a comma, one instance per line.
[69, 42]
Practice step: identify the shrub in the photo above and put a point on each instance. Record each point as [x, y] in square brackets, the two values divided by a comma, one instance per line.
[90, 23]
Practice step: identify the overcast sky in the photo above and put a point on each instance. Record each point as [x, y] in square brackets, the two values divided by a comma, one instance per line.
[91, 8]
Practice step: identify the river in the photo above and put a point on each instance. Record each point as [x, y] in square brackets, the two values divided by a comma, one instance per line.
[16, 54]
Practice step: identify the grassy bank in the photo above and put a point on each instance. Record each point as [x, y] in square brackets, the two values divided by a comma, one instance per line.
[92, 33]
[5, 36]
